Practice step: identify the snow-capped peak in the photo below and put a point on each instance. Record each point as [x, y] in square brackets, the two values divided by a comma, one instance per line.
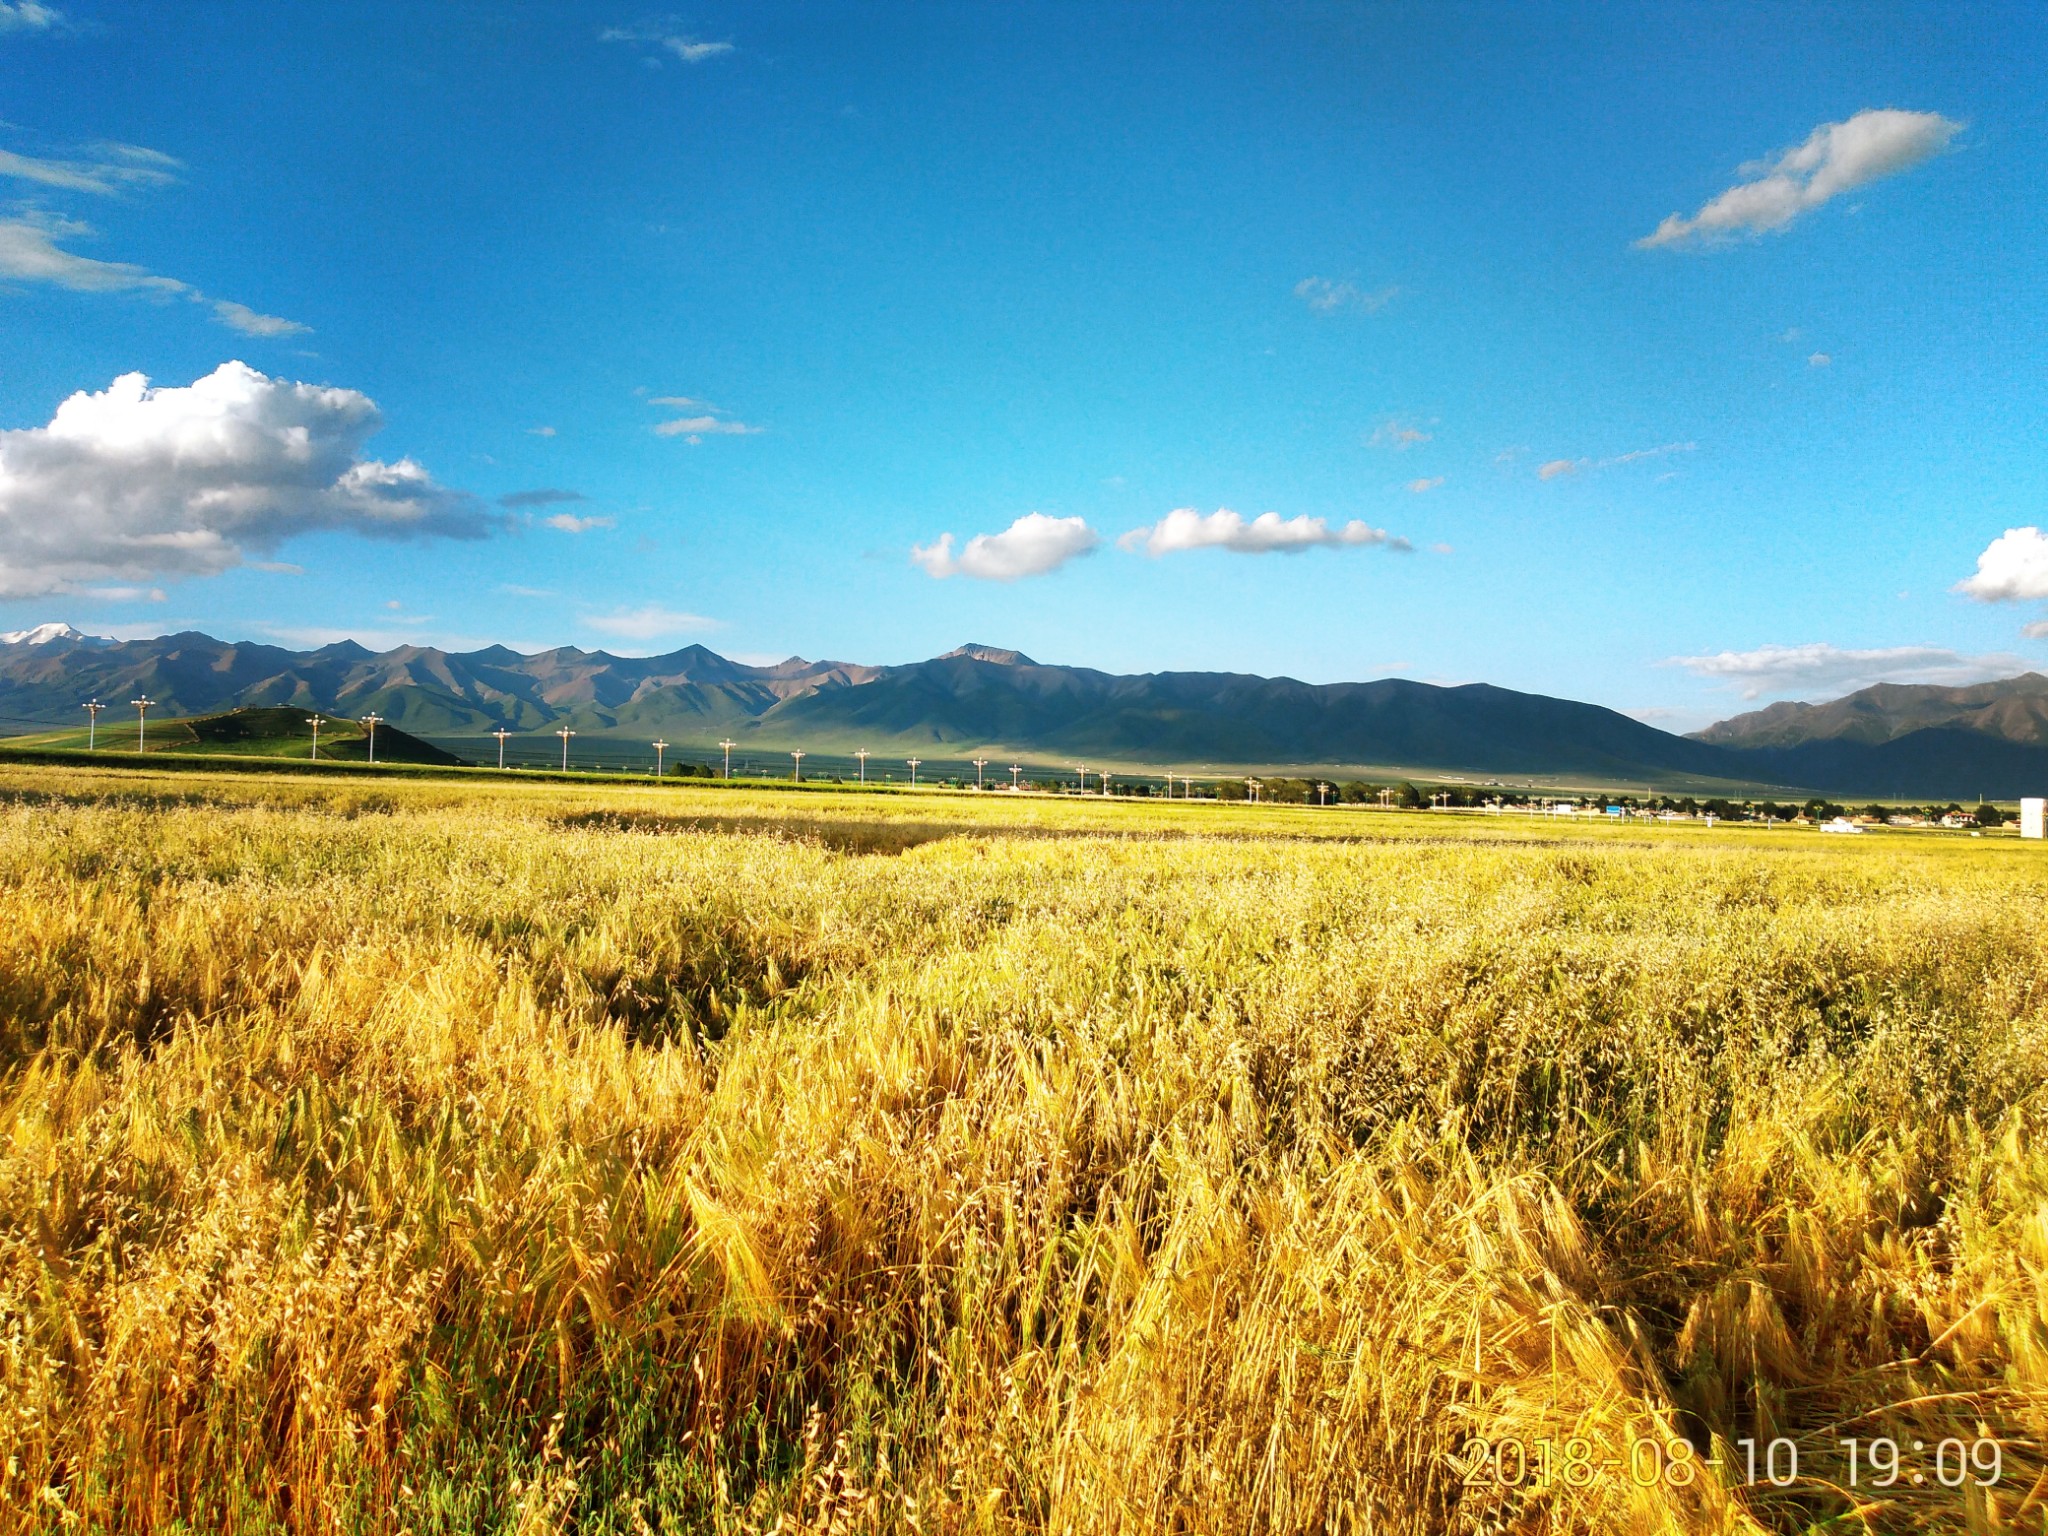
[50, 634]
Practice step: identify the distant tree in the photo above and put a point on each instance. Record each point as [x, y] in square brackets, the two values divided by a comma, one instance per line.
[1874, 812]
[1988, 815]
[1357, 792]
[1408, 796]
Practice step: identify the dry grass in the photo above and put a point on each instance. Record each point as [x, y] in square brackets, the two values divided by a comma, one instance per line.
[427, 1158]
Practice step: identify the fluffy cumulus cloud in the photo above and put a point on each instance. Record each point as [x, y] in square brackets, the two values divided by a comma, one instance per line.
[665, 39]
[2012, 569]
[1836, 158]
[31, 251]
[1830, 669]
[1269, 533]
[1034, 545]
[136, 482]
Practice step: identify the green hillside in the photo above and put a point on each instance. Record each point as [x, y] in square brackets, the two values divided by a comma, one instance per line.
[260, 732]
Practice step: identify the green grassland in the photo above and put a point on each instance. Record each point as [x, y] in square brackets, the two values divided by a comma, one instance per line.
[442, 1154]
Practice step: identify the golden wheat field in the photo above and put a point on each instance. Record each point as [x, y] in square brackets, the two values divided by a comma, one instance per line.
[442, 1157]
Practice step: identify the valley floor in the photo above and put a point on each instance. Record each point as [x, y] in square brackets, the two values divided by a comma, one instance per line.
[434, 1156]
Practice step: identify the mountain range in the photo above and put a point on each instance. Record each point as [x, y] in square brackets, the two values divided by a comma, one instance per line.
[1890, 740]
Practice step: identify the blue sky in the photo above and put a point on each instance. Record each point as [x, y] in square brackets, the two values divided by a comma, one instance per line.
[888, 274]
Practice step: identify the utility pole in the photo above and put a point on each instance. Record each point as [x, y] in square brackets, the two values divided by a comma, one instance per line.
[565, 733]
[659, 748]
[373, 721]
[799, 766]
[92, 724]
[315, 722]
[979, 764]
[501, 733]
[728, 757]
[141, 719]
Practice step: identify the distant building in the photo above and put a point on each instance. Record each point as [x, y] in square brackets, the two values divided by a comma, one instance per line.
[2034, 816]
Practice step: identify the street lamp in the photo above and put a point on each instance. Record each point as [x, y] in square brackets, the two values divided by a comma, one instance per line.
[913, 761]
[501, 733]
[1014, 771]
[565, 733]
[92, 724]
[141, 719]
[979, 764]
[372, 721]
[659, 748]
[862, 754]
[728, 757]
[315, 722]
[799, 766]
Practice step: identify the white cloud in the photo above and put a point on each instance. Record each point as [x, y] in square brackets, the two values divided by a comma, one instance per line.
[1184, 528]
[2012, 569]
[569, 522]
[1556, 467]
[250, 322]
[1819, 360]
[28, 16]
[650, 621]
[1795, 668]
[1034, 545]
[1836, 158]
[135, 482]
[1327, 298]
[708, 422]
[1428, 483]
[116, 166]
[30, 253]
[694, 429]
[1397, 434]
[689, 49]
[540, 431]
[513, 589]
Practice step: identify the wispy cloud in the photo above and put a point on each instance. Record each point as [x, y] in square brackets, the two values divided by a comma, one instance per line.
[666, 37]
[1831, 669]
[1397, 434]
[1818, 360]
[1836, 158]
[1269, 533]
[569, 522]
[1428, 483]
[112, 168]
[249, 322]
[1328, 298]
[649, 621]
[1557, 467]
[540, 431]
[548, 496]
[28, 16]
[708, 421]
[1034, 545]
[513, 589]
[30, 252]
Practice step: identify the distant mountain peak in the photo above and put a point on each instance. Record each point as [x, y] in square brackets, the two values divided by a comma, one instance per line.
[50, 634]
[989, 653]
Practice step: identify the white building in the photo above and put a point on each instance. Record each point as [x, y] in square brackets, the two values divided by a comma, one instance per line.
[2033, 813]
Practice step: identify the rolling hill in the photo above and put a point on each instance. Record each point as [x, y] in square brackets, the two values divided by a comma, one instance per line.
[1882, 740]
